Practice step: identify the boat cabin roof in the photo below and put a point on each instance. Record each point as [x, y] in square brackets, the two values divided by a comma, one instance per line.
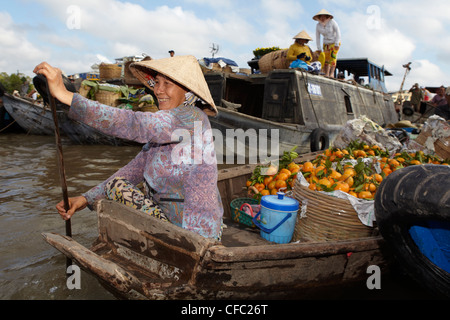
[363, 67]
[360, 66]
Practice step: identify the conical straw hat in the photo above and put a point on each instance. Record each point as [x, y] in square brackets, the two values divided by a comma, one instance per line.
[184, 70]
[322, 12]
[303, 35]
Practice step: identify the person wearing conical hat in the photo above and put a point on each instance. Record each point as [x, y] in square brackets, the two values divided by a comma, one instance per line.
[299, 49]
[177, 163]
[328, 28]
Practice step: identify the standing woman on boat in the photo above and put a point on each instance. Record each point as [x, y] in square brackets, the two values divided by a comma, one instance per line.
[177, 163]
[329, 29]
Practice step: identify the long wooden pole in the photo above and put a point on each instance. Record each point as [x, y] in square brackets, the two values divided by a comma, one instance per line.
[62, 172]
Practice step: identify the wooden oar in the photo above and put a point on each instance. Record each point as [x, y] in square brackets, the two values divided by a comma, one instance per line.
[62, 172]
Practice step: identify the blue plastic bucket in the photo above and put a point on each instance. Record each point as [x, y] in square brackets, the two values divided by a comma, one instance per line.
[277, 218]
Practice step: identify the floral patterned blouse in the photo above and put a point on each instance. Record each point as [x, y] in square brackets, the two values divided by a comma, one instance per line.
[183, 174]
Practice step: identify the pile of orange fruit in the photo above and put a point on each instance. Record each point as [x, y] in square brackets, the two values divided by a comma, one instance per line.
[334, 170]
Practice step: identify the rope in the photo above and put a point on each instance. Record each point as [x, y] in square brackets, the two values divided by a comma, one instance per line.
[7, 126]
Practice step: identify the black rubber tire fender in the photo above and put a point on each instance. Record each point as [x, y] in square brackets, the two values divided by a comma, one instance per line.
[406, 197]
[319, 140]
[408, 108]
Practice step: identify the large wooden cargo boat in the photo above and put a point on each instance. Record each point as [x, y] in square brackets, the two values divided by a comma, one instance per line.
[297, 108]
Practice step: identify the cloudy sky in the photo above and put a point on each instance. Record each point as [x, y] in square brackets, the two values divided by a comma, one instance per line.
[75, 34]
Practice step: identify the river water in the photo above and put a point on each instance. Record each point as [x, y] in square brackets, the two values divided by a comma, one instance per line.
[30, 188]
[30, 269]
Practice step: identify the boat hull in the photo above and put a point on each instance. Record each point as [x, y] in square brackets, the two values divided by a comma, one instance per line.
[137, 256]
[37, 119]
[33, 117]
[162, 261]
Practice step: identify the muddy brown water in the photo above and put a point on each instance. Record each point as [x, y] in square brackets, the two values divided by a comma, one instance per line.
[30, 269]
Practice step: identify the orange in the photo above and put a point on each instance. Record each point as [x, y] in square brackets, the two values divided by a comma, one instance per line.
[353, 193]
[267, 180]
[349, 181]
[362, 154]
[339, 154]
[312, 179]
[370, 187]
[365, 195]
[293, 167]
[349, 172]
[378, 178]
[259, 186]
[283, 176]
[312, 186]
[284, 170]
[280, 184]
[265, 192]
[394, 163]
[320, 169]
[342, 186]
[387, 171]
[415, 162]
[271, 185]
[334, 174]
[249, 183]
[325, 182]
[273, 191]
[308, 166]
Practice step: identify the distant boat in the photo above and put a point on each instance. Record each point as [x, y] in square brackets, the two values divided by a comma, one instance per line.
[36, 118]
[32, 116]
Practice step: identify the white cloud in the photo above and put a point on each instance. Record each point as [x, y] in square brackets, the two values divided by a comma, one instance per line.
[388, 33]
[17, 52]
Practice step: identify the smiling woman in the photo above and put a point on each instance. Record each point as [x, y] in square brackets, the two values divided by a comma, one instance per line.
[185, 193]
[169, 94]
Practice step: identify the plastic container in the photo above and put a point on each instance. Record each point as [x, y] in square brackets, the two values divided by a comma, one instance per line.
[277, 218]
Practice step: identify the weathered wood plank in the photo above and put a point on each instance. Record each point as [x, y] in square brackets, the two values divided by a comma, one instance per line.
[159, 240]
[106, 270]
[272, 251]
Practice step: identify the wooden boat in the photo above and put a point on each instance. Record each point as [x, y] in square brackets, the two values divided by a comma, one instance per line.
[140, 257]
[29, 114]
[36, 118]
[304, 109]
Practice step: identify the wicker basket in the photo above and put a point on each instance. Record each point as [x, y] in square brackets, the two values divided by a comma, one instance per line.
[273, 60]
[110, 71]
[423, 136]
[442, 148]
[108, 97]
[327, 218]
[239, 215]
[84, 90]
[441, 145]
